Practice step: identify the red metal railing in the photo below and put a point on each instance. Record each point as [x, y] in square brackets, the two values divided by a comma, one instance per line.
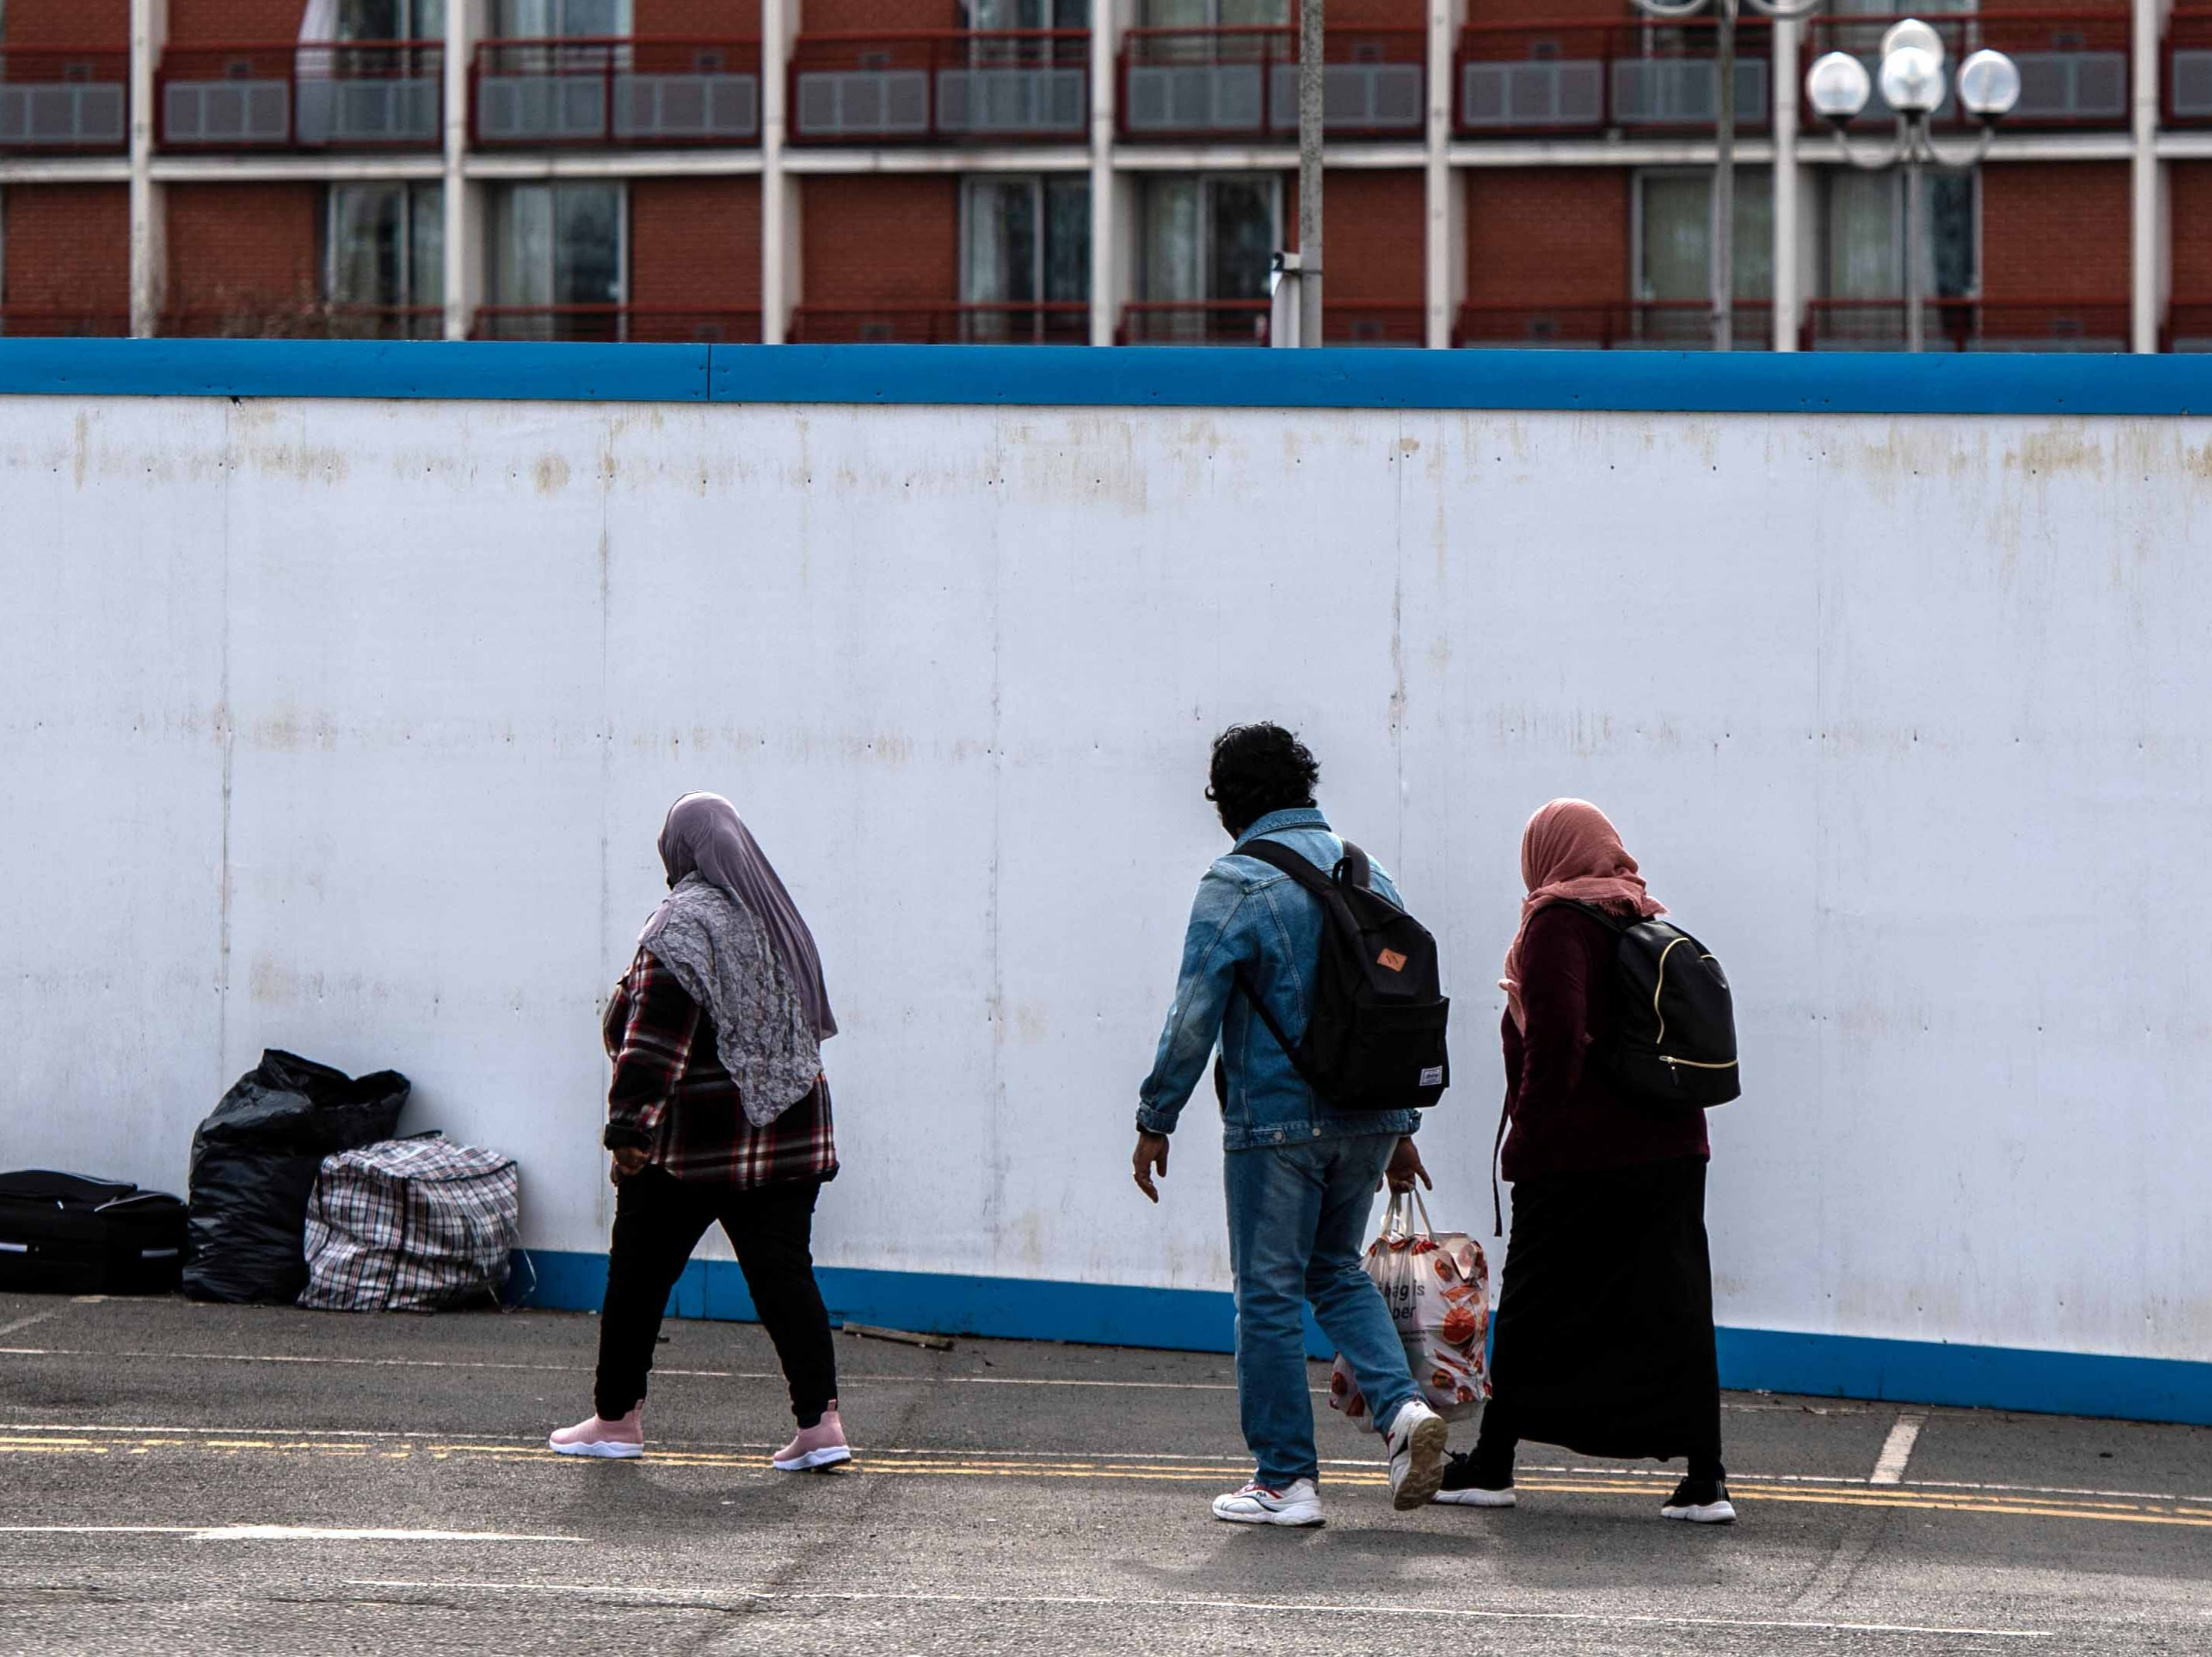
[633, 325]
[51, 322]
[632, 90]
[1619, 324]
[1055, 323]
[1969, 324]
[291, 95]
[2185, 80]
[1378, 322]
[250, 321]
[931, 86]
[65, 100]
[1189, 83]
[2188, 325]
[2076, 67]
[1193, 322]
[1539, 78]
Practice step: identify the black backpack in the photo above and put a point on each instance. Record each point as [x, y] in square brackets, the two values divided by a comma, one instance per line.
[1376, 1038]
[1673, 1018]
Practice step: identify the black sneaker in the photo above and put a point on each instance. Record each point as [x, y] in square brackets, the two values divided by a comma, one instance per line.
[1462, 1488]
[1700, 1501]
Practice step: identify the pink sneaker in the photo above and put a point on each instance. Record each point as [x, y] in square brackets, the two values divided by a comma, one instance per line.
[822, 1445]
[615, 1441]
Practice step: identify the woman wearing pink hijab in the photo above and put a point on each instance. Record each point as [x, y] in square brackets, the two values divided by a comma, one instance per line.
[1604, 1330]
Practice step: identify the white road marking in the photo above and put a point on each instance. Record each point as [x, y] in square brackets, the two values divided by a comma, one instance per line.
[276, 1534]
[25, 1322]
[1896, 1449]
[1317, 1607]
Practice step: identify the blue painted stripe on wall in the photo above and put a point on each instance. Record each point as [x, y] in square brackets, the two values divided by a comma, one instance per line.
[1203, 1320]
[400, 369]
[1080, 376]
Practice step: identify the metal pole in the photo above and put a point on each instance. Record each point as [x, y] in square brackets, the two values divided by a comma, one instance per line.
[1312, 80]
[1915, 325]
[1723, 230]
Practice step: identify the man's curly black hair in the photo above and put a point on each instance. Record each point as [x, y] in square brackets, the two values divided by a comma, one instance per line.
[1258, 769]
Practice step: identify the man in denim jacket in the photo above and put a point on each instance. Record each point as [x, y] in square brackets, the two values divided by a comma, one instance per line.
[1302, 1175]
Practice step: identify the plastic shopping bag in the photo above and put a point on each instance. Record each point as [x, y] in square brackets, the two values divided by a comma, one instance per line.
[1438, 1288]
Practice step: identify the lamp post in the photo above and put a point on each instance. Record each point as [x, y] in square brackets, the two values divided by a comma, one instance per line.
[1912, 85]
[1723, 219]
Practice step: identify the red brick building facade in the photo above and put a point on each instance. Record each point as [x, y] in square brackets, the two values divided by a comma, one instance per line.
[1535, 172]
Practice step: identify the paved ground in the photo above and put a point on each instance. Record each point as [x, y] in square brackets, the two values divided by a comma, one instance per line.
[184, 1478]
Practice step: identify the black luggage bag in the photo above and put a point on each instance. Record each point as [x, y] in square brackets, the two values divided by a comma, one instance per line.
[61, 1234]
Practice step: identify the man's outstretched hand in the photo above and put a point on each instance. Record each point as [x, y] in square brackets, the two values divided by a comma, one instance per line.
[1152, 1156]
[1405, 1168]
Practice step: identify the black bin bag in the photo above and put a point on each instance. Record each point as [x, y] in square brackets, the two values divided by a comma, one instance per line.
[254, 1163]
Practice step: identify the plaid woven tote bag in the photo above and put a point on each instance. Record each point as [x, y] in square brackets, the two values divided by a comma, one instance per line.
[410, 1225]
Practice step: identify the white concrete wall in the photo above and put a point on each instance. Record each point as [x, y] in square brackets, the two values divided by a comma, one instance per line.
[348, 727]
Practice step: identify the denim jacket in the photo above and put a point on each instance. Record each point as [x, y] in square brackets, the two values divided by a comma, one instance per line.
[1250, 915]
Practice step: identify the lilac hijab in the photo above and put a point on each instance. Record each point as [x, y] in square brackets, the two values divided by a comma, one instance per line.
[704, 836]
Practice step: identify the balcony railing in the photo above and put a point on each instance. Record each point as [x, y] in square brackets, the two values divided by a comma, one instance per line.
[1379, 322]
[1050, 323]
[637, 324]
[1193, 322]
[1969, 324]
[251, 321]
[2188, 325]
[290, 95]
[630, 91]
[1243, 83]
[939, 85]
[2188, 80]
[69, 100]
[2074, 67]
[1549, 78]
[50, 322]
[1672, 324]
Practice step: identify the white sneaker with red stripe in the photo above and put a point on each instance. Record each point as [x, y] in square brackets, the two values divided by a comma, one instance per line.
[1257, 1504]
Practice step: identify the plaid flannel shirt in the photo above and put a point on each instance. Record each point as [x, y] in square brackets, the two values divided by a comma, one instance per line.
[672, 1100]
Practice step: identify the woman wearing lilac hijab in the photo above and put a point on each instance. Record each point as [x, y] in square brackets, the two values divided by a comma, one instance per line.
[719, 1111]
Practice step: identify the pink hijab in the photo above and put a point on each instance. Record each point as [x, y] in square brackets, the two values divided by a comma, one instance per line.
[1571, 853]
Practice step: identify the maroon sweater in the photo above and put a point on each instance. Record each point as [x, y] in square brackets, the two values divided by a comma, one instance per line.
[1566, 1116]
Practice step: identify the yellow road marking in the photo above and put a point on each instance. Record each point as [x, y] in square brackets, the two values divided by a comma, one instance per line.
[946, 1463]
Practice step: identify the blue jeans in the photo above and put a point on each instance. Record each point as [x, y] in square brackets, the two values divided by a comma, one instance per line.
[1297, 1218]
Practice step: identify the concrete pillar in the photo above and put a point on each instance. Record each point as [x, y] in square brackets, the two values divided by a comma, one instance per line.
[1444, 266]
[1107, 225]
[2150, 257]
[149, 264]
[465, 229]
[779, 204]
[1788, 195]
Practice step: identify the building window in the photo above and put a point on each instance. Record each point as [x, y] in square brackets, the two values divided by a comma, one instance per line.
[1000, 15]
[1210, 238]
[1216, 13]
[559, 250]
[1865, 235]
[374, 20]
[1674, 251]
[384, 259]
[550, 20]
[1025, 242]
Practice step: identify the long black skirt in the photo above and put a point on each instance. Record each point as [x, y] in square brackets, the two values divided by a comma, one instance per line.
[1604, 1335]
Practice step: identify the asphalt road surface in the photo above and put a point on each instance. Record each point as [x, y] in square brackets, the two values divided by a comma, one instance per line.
[186, 1478]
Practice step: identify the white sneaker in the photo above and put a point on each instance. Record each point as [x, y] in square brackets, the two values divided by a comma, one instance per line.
[1417, 1440]
[1256, 1504]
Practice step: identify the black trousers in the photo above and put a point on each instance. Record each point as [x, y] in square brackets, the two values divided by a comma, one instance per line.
[659, 1220]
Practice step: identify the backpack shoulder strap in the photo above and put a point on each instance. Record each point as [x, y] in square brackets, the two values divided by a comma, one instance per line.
[1281, 858]
[1604, 917]
[1320, 882]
